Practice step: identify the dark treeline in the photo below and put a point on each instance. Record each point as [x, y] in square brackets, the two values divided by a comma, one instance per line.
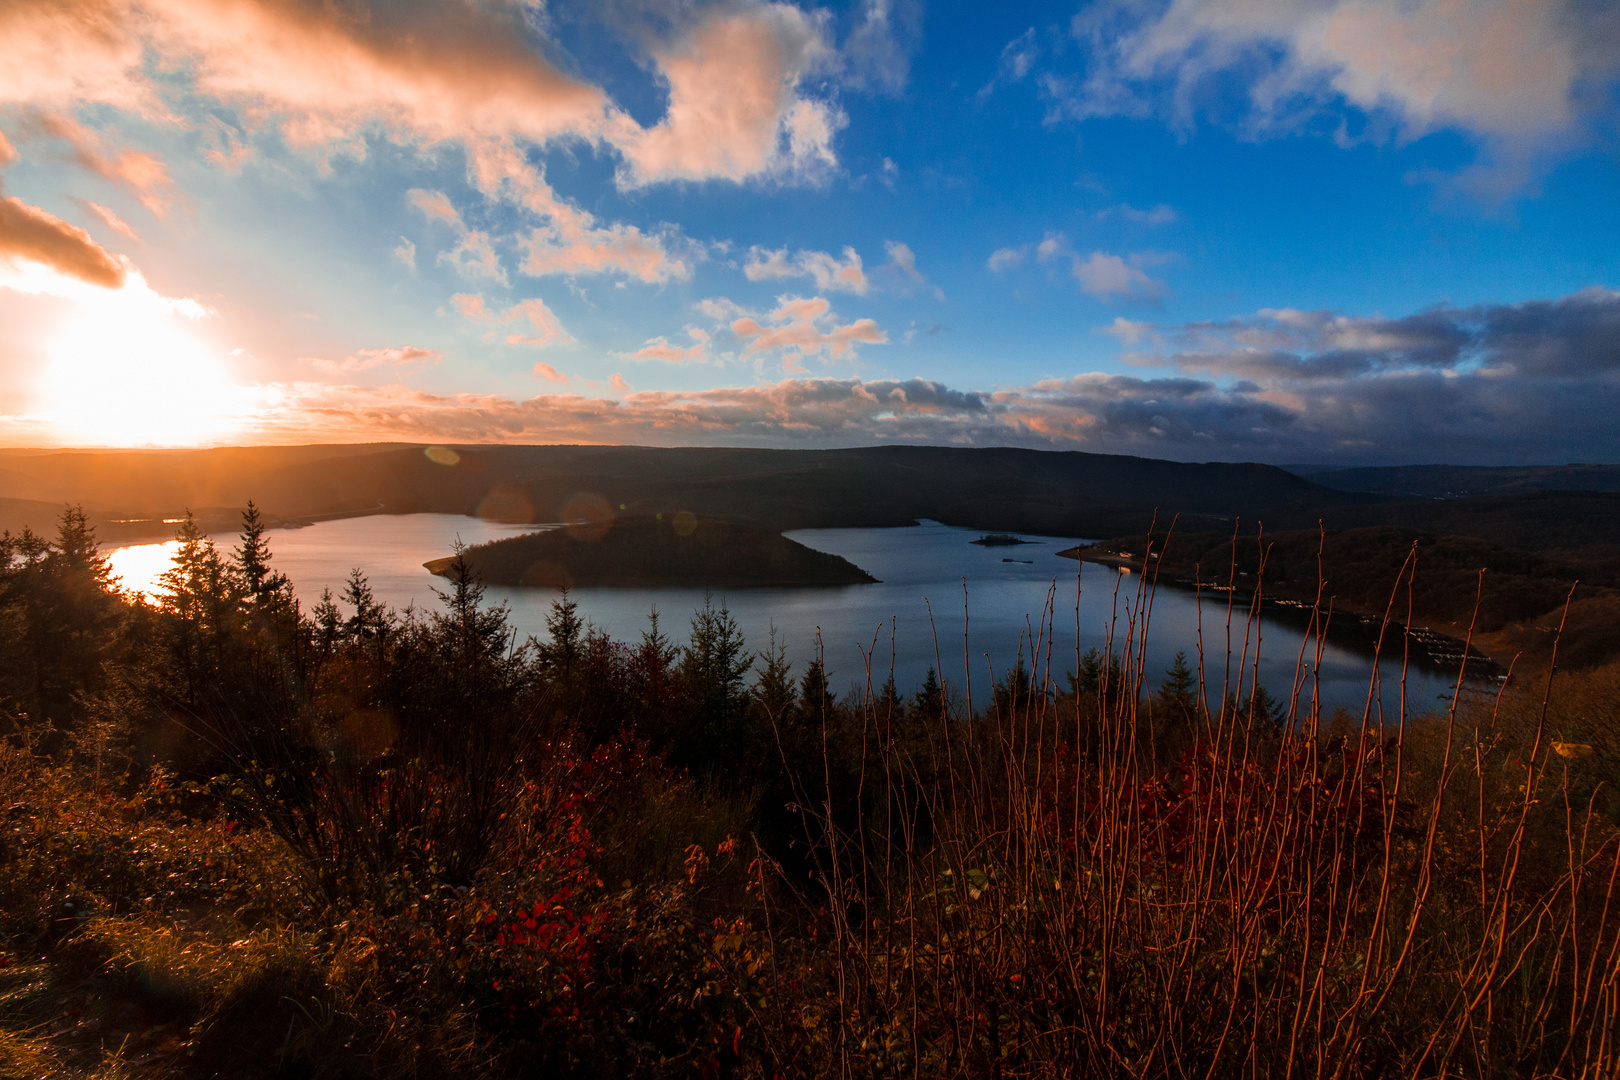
[246, 837]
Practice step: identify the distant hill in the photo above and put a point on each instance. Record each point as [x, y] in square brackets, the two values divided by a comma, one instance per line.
[648, 550]
[1578, 528]
[1003, 489]
[1460, 481]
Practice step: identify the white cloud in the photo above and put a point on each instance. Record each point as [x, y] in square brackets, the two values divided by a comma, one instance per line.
[1162, 214]
[877, 53]
[1100, 274]
[1109, 277]
[1006, 258]
[1017, 58]
[829, 272]
[1512, 72]
[903, 263]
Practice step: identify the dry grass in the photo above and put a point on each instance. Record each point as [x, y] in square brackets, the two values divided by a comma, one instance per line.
[1426, 897]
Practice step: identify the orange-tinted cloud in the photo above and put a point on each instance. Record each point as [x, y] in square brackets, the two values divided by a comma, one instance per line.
[547, 329]
[804, 327]
[659, 348]
[435, 204]
[62, 52]
[142, 174]
[570, 242]
[27, 232]
[550, 374]
[328, 77]
[426, 71]
[366, 359]
[734, 106]
[794, 410]
[110, 219]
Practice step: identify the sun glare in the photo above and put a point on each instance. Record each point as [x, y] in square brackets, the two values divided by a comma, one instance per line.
[139, 566]
[127, 371]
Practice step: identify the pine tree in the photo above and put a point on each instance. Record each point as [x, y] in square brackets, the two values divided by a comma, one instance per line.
[813, 692]
[253, 554]
[714, 665]
[774, 690]
[328, 623]
[1094, 678]
[929, 701]
[480, 633]
[890, 706]
[1265, 710]
[560, 656]
[200, 600]
[1011, 691]
[370, 620]
[1180, 684]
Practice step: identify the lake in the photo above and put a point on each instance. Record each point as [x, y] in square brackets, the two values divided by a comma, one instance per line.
[941, 601]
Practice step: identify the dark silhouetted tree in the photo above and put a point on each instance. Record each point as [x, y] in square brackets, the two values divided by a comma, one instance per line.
[714, 666]
[1180, 685]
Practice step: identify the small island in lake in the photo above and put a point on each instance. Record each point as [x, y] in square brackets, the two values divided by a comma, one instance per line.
[650, 551]
[998, 540]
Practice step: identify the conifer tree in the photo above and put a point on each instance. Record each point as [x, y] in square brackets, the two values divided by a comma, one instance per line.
[929, 701]
[891, 708]
[370, 620]
[813, 692]
[774, 690]
[1011, 691]
[199, 600]
[1180, 684]
[480, 633]
[652, 670]
[560, 655]
[253, 553]
[714, 666]
[328, 623]
[79, 607]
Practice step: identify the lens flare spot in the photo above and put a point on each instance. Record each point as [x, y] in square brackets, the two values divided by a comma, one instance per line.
[588, 516]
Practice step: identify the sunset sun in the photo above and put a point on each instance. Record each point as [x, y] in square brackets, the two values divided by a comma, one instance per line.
[124, 372]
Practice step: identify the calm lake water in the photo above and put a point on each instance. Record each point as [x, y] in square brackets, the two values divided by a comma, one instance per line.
[941, 601]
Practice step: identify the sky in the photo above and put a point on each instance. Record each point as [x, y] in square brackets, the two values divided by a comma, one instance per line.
[1293, 231]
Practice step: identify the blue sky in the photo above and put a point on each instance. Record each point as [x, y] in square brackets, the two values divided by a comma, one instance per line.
[1360, 232]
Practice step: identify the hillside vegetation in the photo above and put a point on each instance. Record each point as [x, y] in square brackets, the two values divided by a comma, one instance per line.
[1514, 610]
[248, 838]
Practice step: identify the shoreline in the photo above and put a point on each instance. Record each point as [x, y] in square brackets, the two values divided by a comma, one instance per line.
[1440, 649]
